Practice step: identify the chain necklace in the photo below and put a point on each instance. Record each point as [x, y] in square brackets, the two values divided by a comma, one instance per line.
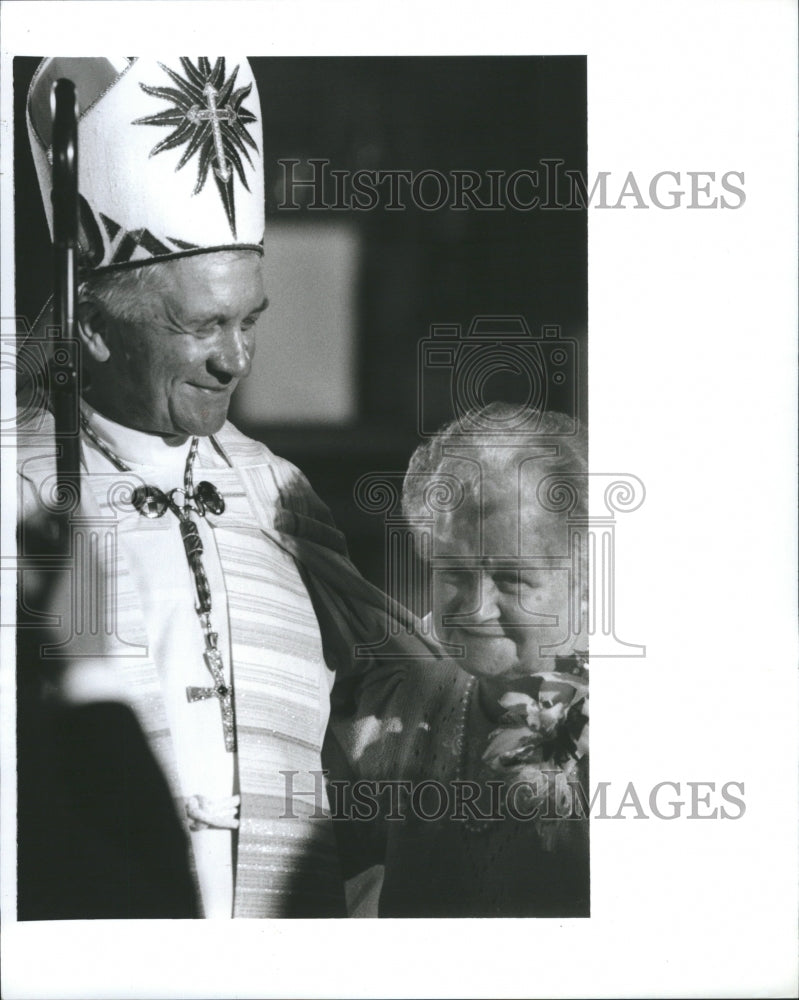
[151, 502]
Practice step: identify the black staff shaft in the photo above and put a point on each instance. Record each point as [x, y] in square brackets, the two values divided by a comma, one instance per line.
[65, 394]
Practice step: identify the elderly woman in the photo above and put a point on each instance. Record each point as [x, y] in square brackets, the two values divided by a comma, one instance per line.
[483, 752]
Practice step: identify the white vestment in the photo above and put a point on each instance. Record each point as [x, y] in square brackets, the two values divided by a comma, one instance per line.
[157, 560]
[283, 854]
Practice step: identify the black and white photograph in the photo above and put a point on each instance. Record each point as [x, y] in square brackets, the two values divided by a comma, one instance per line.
[361, 393]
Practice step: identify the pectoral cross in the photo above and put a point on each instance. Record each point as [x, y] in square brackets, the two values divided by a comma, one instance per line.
[220, 690]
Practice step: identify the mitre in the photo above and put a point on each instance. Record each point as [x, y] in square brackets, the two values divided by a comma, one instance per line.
[170, 156]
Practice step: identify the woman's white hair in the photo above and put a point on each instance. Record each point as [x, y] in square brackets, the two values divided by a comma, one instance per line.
[479, 456]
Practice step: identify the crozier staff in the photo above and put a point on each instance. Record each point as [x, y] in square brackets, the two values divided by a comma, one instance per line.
[215, 558]
[98, 832]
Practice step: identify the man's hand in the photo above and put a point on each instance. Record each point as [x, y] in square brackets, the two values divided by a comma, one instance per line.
[213, 814]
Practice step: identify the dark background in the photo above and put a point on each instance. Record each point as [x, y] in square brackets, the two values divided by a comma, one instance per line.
[418, 267]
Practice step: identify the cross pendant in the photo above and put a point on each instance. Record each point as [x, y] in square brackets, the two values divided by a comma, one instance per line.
[221, 691]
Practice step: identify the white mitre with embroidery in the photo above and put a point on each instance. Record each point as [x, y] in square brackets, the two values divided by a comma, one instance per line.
[170, 156]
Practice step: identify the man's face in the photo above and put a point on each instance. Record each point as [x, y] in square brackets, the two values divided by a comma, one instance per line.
[505, 608]
[174, 370]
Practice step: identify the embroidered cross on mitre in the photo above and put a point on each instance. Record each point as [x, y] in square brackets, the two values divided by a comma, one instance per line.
[207, 113]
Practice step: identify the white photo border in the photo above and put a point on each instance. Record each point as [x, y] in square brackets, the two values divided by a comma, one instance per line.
[692, 346]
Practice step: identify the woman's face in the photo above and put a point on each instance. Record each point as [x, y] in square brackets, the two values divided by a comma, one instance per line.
[506, 602]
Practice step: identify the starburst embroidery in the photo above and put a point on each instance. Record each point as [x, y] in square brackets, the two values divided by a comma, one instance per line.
[207, 114]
